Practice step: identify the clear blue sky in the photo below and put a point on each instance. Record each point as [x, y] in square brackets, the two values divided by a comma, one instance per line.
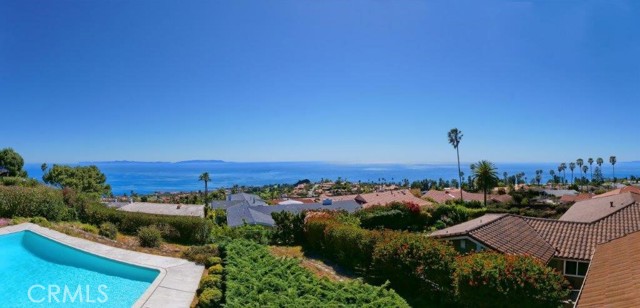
[348, 81]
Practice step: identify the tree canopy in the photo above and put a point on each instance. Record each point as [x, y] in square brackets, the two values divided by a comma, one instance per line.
[12, 161]
[87, 179]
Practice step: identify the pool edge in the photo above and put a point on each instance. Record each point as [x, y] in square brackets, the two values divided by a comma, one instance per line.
[175, 285]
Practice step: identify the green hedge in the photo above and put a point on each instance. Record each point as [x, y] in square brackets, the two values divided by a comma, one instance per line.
[507, 280]
[39, 201]
[255, 278]
[187, 230]
[395, 216]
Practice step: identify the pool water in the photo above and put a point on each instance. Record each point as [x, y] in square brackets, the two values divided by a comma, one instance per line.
[38, 272]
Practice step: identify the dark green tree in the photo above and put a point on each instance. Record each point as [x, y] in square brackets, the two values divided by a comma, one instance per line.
[12, 161]
[85, 179]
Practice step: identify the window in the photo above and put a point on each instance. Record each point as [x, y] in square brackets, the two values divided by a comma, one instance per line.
[463, 244]
[575, 268]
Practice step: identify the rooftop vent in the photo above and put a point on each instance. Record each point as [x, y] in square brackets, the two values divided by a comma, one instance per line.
[611, 204]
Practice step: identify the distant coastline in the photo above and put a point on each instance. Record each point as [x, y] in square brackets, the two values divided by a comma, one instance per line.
[195, 161]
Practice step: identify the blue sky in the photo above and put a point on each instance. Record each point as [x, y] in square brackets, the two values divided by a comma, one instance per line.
[347, 81]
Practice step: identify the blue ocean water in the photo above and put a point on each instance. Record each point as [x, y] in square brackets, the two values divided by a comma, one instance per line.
[37, 271]
[143, 178]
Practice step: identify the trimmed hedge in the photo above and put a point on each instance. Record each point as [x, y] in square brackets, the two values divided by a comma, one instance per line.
[507, 280]
[395, 216]
[187, 230]
[39, 201]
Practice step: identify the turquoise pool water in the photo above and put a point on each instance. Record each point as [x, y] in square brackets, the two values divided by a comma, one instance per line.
[38, 272]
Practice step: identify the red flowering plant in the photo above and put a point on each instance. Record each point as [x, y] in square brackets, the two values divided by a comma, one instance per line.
[491, 279]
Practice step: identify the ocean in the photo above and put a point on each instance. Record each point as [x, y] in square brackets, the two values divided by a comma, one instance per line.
[145, 178]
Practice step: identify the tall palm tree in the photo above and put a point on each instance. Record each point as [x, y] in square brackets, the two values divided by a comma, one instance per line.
[600, 161]
[553, 176]
[205, 178]
[584, 170]
[564, 172]
[613, 160]
[580, 162]
[572, 166]
[590, 161]
[505, 178]
[485, 176]
[455, 136]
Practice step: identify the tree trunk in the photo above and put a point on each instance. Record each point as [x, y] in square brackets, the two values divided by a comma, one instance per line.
[459, 174]
[206, 192]
[485, 195]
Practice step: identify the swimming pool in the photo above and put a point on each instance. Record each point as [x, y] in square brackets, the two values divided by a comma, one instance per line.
[38, 271]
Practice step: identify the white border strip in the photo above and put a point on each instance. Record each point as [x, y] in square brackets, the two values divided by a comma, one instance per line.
[175, 286]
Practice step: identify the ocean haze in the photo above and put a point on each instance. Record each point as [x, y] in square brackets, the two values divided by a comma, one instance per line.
[146, 177]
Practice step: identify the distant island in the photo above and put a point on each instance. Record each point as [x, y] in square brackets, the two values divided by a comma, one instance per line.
[196, 161]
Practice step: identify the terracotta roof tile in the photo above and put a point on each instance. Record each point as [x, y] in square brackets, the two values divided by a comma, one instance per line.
[382, 198]
[612, 279]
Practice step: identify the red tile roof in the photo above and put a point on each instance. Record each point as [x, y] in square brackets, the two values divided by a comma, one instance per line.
[442, 196]
[382, 198]
[504, 233]
[570, 239]
[612, 279]
[618, 191]
[596, 208]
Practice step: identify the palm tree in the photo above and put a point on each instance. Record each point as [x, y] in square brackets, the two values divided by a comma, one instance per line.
[553, 176]
[590, 161]
[485, 176]
[572, 166]
[505, 178]
[580, 163]
[613, 160]
[584, 170]
[205, 178]
[564, 172]
[600, 161]
[455, 136]
[538, 177]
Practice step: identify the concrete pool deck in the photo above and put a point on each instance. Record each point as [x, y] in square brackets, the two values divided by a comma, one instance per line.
[175, 286]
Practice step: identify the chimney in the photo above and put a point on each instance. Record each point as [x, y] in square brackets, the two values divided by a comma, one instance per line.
[611, 204]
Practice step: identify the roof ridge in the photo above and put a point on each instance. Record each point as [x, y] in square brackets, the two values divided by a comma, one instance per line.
[489, 223]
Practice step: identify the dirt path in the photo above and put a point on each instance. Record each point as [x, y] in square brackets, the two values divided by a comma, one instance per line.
[317, 266]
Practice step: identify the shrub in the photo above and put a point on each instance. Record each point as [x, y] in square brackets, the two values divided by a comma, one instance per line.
[201, 254]
[210, 298]
[212, 261]
[149, 237]
[41, 221]
[256, 233]
[507, 279]
[453, 214]
[396, 216]
[288, 228]
[89, 228]
[414, 262]
[186, 230]
[109, 230]
[216, 269]
[210, 281]
[37, 201]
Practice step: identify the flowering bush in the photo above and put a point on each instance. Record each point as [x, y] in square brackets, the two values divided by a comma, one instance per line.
[507, 280]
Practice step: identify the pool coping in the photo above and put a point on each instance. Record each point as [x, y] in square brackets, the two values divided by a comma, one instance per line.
[175, 286]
